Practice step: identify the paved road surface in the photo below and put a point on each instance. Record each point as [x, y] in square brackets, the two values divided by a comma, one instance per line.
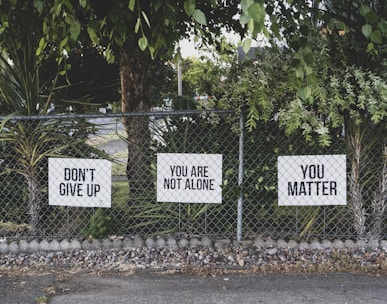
[172, 289]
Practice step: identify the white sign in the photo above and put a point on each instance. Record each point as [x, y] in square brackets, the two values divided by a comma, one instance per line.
[189, 178]
[79, 182]
[312, 180]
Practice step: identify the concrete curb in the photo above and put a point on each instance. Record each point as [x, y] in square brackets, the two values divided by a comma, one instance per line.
[128, 243]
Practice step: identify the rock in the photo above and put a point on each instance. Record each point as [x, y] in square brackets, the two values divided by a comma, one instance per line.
[127, 243]
[207, 242]
[292, 244]
[316, 245]
[171, 242]
[54, 245]
[259, 242]
[194, 242]
[24, 246]
[138, 242]
[338, 244]
[222, 243]
[304, 245]
[45, 245]
[75, 245]
[160, 243]
[272, 251]
[282, 244]
[183, 243]
[150, 243]
[326, 244]
[349, 244]
[65, 245]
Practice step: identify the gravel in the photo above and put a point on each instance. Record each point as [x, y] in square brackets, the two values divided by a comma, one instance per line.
[195, 255]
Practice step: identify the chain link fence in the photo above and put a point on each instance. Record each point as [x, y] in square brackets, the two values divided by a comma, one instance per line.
[178, 173]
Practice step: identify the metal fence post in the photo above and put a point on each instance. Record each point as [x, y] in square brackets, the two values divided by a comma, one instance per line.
[240, 175]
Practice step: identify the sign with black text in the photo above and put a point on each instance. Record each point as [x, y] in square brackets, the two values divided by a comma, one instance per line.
[312, 180]
[79, 182]
[189, 178]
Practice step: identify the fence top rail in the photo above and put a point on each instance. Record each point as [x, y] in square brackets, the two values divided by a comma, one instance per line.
[115, 115]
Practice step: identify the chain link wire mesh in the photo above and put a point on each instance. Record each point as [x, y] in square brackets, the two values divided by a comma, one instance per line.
[132, 144]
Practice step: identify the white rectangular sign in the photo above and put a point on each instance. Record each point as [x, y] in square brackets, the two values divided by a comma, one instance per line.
[79, 182]
[312, 180]
[189, 178]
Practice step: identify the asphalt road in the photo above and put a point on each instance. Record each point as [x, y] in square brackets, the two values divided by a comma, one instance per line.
[153, 288]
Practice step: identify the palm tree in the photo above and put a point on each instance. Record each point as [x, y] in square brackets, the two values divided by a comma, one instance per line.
[28, 89]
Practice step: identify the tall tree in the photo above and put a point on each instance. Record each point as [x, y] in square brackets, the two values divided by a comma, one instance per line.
[133, 33]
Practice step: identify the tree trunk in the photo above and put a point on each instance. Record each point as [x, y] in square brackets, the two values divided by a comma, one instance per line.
[354, 143]
[135, 98]
[34, 201]
[379, 202]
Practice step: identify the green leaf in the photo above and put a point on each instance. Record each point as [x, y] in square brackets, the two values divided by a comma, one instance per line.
[366, 29]
[93, 36]
[199, 17]
[376, 37]
[370, 47]
[257, 12]
[142, 43]
[246, 45]
[304, 92]
[82, 3]
[137, 26]
[75, 30]
[300, 72]
[245, 5]
[244, 19]
[131, 5]
[38, 4]
[146, 18]
[364, 10]
[189, 7]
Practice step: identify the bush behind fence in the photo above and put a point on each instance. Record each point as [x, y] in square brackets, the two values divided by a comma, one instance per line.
[26, 143]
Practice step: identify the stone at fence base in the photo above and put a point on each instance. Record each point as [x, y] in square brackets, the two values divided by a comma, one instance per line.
[259, 242]
[150, 243]
[383, 244]
[242, 243]
[222, 243]
[349, 244]
[304, 245]
[326, 244]
[54, 245]
[171, 242]
[138, 242]
[107, 244]
[316, 245]
[373, 244]
[160, 243]
[13, 247]
[34, 246]
[65, 245]
[361, 244]
[91, 245]
[270, 242]
[75, 245]
[282, 243]
[117, 243]
[24, 246]
[4, 247]
[183, 242]
[338, 244]
[194, 242]
[207, 242]
[292, 244]
[127, 243]
[44, 245]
